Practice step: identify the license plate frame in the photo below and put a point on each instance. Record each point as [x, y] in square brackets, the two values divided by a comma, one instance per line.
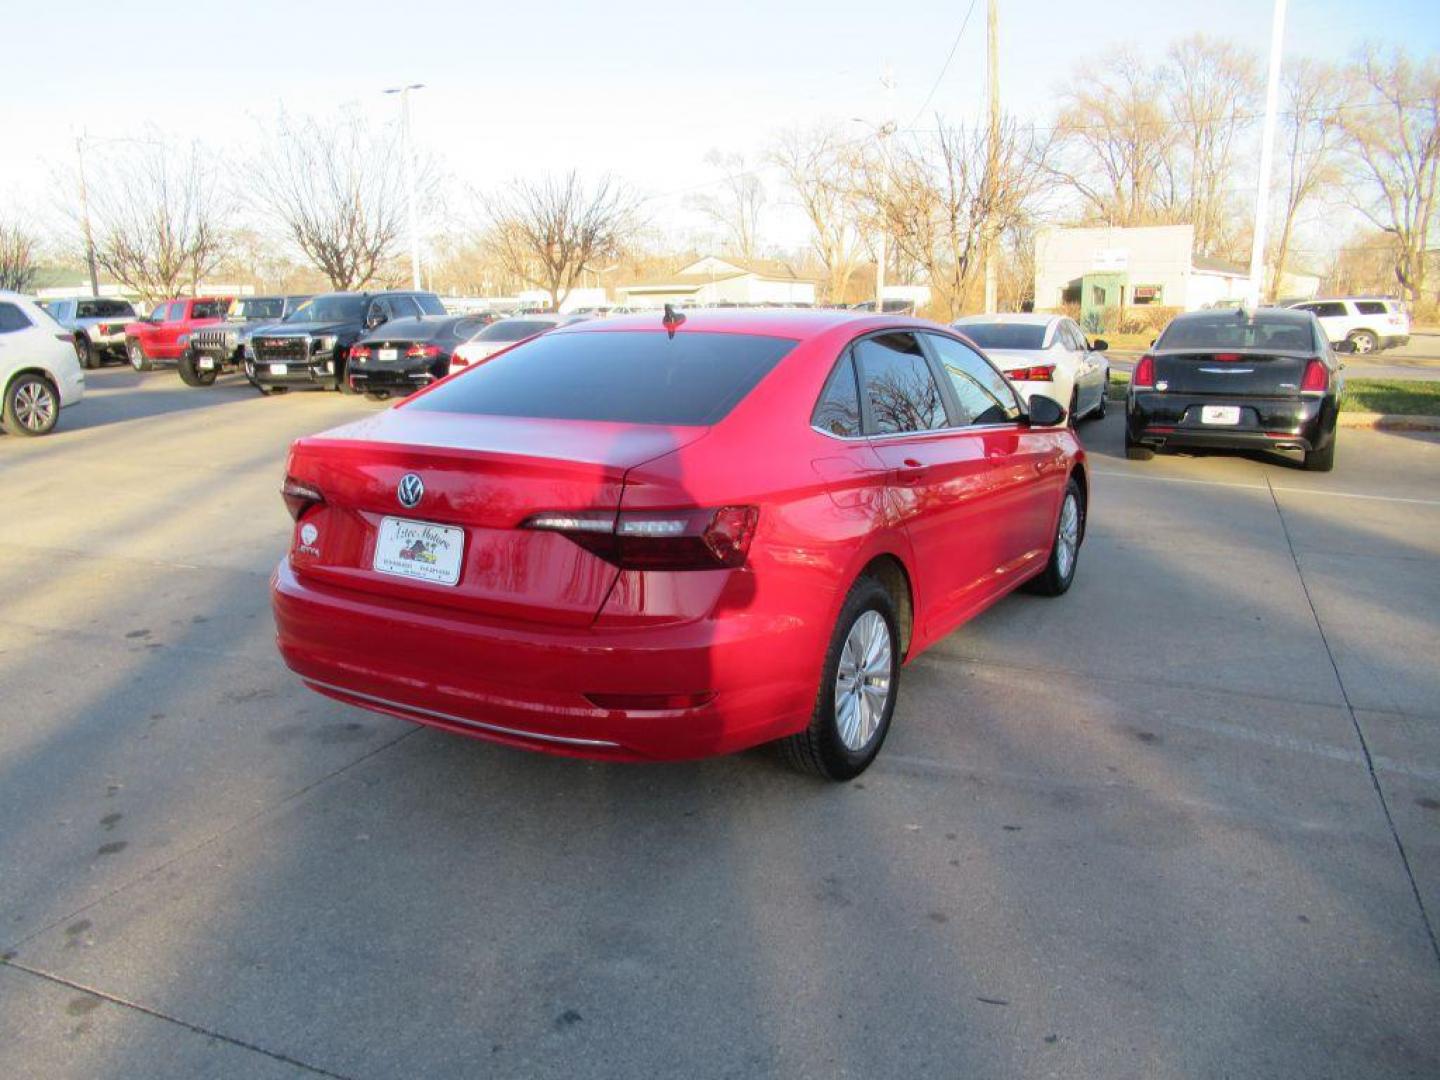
[1220, 415]
[387, 356]
[437, 560]
[279, 369]
[207, 363]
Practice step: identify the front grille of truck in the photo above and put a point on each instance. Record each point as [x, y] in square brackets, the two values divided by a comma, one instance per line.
[280, 350]
[209, 339]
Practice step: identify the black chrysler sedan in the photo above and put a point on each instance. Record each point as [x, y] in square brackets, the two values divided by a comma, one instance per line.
[406, 354]
[1236, 379]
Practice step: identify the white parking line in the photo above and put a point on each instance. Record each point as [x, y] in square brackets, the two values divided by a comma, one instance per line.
[1262, 487]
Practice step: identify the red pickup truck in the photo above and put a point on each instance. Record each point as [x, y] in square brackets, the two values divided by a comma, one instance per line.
[164, 333]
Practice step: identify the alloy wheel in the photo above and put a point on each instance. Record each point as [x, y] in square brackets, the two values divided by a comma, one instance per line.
[35, 406]
[1067, 539]
[863, 680]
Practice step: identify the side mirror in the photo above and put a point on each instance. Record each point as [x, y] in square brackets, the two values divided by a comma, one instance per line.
[1046, 412]
[1100, 345]
[1346, 346]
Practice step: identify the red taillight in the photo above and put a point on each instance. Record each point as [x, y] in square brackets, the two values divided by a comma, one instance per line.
[1317, 378]
[360, 352]
[1144, 375]
[1040, 373]
[299, 497]
[661, 539]
[428, 351]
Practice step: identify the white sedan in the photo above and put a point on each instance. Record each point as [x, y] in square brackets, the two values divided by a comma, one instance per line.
[501, 335]
[39, 371]
[1047, 355]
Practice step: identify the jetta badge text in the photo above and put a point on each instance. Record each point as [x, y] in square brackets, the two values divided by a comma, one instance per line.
[410, 491]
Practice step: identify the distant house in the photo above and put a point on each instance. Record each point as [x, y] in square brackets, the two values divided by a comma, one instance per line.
[716, 280]
[1119, 268]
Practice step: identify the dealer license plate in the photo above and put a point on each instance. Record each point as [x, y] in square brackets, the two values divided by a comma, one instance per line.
[206, 363]
[279, 369]
[389, 356]
[417, 549]
[1220, 414]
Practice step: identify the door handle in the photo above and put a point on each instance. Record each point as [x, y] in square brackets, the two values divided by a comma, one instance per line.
[910, 473]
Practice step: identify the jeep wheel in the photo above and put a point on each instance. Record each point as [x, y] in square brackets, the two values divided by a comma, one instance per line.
[191, 374]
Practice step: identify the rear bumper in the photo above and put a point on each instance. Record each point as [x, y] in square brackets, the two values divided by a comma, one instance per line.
[401, 378]
[1291, 423]
[525, 684]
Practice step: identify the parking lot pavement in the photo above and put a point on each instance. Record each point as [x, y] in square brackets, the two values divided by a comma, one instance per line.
[1179, 822]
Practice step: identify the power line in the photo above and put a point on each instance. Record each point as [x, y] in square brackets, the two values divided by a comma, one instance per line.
[946, 66]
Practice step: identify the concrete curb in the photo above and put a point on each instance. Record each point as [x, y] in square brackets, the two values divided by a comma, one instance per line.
[1389, 421]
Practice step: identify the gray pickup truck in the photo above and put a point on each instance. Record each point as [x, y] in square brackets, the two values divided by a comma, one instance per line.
[222, 347]
[98, 323]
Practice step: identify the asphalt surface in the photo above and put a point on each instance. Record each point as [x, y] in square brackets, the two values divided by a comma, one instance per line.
[1417, 359]
[1184, 821]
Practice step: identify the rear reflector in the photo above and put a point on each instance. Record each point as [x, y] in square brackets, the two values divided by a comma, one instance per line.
[1144, 376]
[659, 540]
[1039, 373]
[299, 497]
[652, 702]
[1317, 378]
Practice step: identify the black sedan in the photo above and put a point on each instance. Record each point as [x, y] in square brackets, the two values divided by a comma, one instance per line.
[406, 354]
[1247, 380]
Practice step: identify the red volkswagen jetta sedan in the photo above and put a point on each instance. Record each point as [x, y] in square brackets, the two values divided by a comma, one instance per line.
[654, 539]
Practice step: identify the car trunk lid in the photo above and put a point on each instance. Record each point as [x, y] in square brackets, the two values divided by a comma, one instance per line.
[483, 477]
[1231, 373]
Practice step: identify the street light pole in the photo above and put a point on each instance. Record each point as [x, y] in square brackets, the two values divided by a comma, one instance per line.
[85, 218]
[409, 167]
[992, 158]
[1267, 157]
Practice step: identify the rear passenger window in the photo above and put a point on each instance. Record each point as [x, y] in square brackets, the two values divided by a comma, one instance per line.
[982, 392]
[177, 311]
[839, 410]
[1370, 307]
[1327, 310]
[429, 304]
[12, 319]
[900, 390]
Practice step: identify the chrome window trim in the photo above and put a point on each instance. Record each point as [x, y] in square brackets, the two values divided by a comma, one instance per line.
[930, 434]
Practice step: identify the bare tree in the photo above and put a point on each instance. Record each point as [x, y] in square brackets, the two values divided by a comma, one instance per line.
[819, 167]
[17, 258]
[158, 218]
[1117, 142]
[338, 190]
[944, 196]
[1310, 131]
[736, 207]
[549, 232]
[1213, 87]
[1392, 128]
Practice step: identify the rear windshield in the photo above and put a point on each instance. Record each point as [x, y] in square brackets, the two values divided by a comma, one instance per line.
[102, 309]
[209, 309]
[267, 307]
[630, 377]
[1004, 335]
[1231, 331]
[513, 329]
[329, 309]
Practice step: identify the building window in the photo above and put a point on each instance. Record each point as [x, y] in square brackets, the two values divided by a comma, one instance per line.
[1146, 294]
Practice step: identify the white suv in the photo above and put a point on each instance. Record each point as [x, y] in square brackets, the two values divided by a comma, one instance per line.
[1370, 323]
[39, 371]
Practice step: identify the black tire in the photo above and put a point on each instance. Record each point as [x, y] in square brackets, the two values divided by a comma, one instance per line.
[1074, 420]
[191, 374]
[820, 749]
[1365, 342]
[139, 360]
[1060, 571]
[1104, 406]
[378, 395]
[31, 406]
[270, 391]
[86, 352]
[1321, 460]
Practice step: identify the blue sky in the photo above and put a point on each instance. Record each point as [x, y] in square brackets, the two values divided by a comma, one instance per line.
[640, 89]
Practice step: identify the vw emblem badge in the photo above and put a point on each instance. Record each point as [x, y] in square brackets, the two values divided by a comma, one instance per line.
[410, 491]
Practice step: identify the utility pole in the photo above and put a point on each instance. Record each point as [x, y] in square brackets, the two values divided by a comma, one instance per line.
[992, 156]
[85, 218]
[1267, 156]
[409, 167]
[886, 128]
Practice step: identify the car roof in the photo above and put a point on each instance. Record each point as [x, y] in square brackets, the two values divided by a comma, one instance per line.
[768, 322]
[1267, 314]
[1023, 318]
